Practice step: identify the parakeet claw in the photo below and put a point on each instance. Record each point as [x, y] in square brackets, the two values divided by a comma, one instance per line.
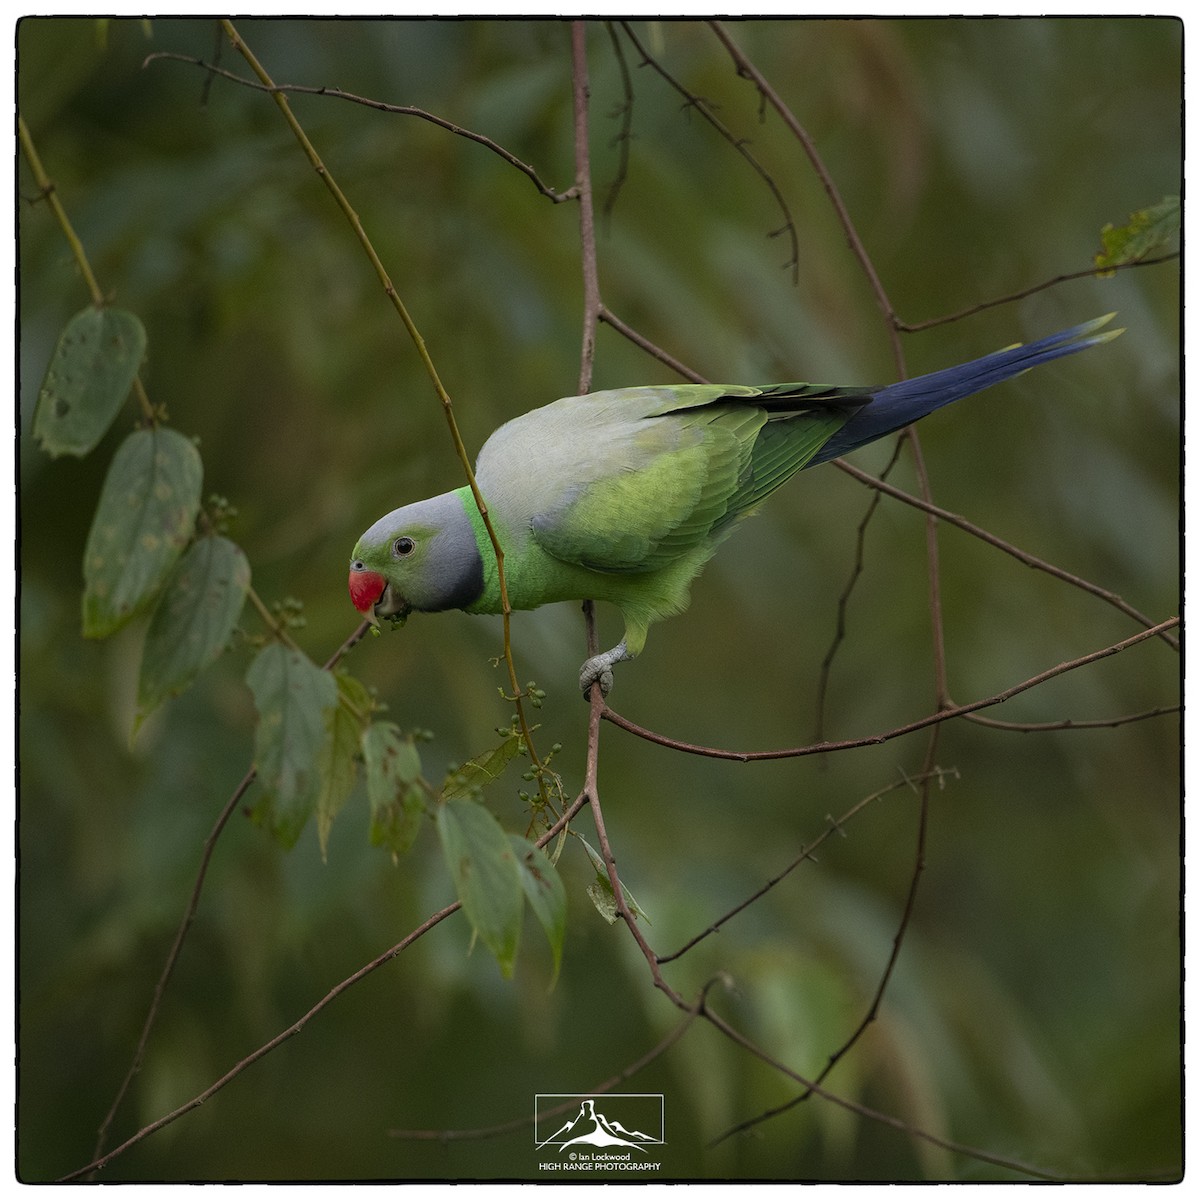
[598, 669]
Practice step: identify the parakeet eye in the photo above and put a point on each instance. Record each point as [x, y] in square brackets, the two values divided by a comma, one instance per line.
[403, 546]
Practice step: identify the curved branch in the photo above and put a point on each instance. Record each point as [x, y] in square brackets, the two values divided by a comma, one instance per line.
[1023, 556]
[189, 915]
[1012, 297]
[403, 110]
[875, 739]
[871, 1114]
[748, 70]
[807, 853]
[741, 145]
[267, 1047]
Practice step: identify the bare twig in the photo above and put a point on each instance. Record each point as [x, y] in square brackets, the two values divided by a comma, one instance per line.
[1012, 297]
[403, 110]
[627, 331]
[1023, 556]
[741, 145]
[1068, 723]
[871, 1114]
[587, 215]
[843, 602]
[875, 739]
[748, 70]
[265, 1049]
[189, 915]
[807, 854]
[625, 134]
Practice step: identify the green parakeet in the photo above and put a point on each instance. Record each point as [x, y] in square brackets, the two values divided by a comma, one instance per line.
[623, 495]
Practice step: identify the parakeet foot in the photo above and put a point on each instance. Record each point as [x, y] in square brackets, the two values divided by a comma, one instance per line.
[598, 669]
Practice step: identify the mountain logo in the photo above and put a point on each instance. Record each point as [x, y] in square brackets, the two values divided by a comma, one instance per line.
[627, 1121]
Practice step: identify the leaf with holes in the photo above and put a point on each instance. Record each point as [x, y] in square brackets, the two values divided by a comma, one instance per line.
[294, 698]
[479, 771]
[1148, 231]
[394, 790]
[87, 380]
[145, 518]
[600, 891]
[486, 876]
[193, 621]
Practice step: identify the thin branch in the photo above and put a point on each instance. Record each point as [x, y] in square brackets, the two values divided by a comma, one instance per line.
[587, 215]
[933, 561]
[427, 361]
[265, 1049]
[748, 70]
[49, 193]
[1022, 556]
[591, 312]
[741, 145]
[592, 308]
[348, 645]
[591, 316]
[1012, 297]
[1068, 723]
[807, 854]
[872, 1013]
[875, 739]
[189, 915]
[625, 112]
[627, 331]
[403, 110]
[738, 1038]
[843, 603]
[871, 1114]
[209, 845]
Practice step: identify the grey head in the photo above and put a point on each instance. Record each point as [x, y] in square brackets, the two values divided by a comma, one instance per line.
[426, 554]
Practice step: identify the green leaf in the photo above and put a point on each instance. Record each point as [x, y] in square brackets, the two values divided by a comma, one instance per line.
[193, 621]
[145, 518]
[294, 698]
[601, 892]
[338, 766]
[394, 791]
[545, 892]
[481, 770]
[486, 876]
[88, 378]
[1148, 231]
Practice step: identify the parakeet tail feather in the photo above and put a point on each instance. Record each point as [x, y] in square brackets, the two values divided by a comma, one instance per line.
[900, 404]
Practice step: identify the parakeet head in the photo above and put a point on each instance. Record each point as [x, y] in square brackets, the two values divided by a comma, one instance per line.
[422, 558]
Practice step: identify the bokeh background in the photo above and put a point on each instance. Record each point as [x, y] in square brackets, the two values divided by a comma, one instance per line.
[1035, 1009]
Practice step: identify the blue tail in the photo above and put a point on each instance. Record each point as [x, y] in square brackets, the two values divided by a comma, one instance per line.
[900, 404]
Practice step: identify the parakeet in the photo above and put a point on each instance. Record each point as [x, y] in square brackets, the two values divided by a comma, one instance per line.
[624, 495]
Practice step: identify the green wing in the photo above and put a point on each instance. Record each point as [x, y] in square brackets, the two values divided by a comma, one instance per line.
[693, 460]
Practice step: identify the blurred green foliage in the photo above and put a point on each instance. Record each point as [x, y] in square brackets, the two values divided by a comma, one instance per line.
[1034, 1012]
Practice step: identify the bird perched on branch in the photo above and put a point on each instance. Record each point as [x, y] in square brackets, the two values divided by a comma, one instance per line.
[624, 495]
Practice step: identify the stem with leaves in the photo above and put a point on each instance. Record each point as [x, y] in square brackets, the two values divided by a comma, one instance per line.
[443, 396]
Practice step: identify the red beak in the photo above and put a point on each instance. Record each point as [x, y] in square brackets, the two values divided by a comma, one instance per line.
[365, 589]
